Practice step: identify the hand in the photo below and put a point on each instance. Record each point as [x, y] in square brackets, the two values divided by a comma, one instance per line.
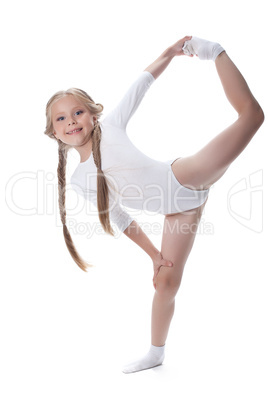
[158, 261]
[177, 47]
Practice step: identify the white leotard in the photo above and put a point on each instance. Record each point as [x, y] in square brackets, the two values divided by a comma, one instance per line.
[135, 180]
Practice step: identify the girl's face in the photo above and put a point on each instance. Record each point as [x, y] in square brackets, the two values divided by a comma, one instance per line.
[72, 121]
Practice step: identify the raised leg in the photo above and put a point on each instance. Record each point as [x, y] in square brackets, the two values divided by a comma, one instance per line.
[205, 167]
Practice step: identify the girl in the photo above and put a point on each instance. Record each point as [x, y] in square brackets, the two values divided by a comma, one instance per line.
[113, 172]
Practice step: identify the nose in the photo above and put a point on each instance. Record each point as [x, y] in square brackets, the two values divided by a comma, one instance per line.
[72, 121]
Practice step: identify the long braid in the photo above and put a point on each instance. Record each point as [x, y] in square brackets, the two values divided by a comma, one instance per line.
[63, 150]
[102, 186]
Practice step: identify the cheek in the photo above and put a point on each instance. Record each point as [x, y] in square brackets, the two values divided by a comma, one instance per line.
[58, 128]
[88, 121]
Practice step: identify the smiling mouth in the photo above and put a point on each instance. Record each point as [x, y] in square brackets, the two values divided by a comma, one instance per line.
[74, 131]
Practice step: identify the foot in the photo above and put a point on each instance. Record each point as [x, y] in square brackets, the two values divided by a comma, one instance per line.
[202, 48]
[154, 357]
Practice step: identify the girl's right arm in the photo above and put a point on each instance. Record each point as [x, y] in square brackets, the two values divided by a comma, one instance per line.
[122, 113]
[136, 234]
[161, 63]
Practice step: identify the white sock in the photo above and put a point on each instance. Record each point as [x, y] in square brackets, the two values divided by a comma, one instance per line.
[154, 358]
[204, 49]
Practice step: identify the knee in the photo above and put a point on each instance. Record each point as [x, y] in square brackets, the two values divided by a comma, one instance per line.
[167, 283]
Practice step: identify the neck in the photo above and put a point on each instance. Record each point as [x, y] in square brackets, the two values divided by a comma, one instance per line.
[84, 150]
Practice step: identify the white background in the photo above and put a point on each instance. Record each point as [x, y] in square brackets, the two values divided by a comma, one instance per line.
[65, 334]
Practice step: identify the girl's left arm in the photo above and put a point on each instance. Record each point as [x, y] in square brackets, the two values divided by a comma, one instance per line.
[136, 234]
[160, 64]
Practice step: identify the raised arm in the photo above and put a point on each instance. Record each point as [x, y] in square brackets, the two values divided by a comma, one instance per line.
[161, 63]
[122, 113]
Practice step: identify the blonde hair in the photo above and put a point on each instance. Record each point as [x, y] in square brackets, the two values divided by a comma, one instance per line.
[102, 185]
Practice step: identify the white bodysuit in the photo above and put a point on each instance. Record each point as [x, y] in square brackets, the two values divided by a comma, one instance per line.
[134, 179]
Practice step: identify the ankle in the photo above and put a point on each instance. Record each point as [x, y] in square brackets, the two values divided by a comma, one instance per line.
[204, 49]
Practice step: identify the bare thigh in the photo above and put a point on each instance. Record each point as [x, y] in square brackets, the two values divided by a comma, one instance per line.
[179, 232]
[196, 173]
[204, 168]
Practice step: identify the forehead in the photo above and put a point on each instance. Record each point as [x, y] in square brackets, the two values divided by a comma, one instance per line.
[68, 102]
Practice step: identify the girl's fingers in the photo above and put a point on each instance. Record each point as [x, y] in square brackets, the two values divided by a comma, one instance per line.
[154, 280]
[167, 263]
[155, 274]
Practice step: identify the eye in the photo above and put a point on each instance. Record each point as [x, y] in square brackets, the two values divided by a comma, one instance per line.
[79, 112]
[60, 118]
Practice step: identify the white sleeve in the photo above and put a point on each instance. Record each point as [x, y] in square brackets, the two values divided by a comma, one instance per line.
[122, 113]
[117, 214]
[120, 217]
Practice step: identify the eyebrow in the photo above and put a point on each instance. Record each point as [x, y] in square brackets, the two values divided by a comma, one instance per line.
[76, 107]
[59, 114]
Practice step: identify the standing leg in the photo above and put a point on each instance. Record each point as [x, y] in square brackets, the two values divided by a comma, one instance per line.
[204, 168]
[179, 232]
